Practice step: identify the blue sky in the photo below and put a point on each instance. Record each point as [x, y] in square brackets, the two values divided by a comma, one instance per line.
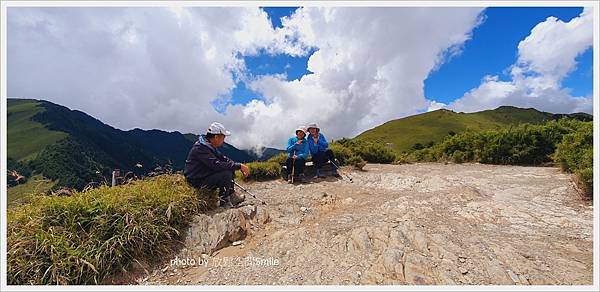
[493, 48]
[264, 64]
[491, 51]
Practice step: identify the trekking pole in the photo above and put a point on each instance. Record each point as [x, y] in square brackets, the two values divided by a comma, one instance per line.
[249, 193]
[341, 171]
[293, 165]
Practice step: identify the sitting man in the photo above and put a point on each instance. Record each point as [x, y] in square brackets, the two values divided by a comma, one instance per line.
[319, 149]
[297, 149]
[207, 167]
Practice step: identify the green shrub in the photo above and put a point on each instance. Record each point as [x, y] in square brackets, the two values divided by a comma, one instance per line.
[585, 180]
[279, 158]
[86, 237]
[403, 158]
[423, 155]
[525, 144]
[341, 152]
[73, 164]
[373, 152]
[357, 162]
[458, 156]
[575, 154]
[522, 145]
[260, 171]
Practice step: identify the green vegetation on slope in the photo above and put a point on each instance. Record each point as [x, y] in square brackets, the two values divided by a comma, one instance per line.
[432, 127]
[260, 171]
[575, 153]
[34, 185]
[74, 149]
[86, 237]
[566, 141]
[26, 137]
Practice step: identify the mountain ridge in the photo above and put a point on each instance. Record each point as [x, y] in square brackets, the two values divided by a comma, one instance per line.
[83, 149]
[430, 127]
[75, 148]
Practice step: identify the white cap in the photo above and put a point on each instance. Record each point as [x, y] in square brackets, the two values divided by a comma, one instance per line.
[313, 125]
[216, 129]
[301, 128]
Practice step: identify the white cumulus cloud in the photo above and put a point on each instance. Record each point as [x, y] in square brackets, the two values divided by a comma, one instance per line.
[369, 68]
[165, 67]
[545, 58]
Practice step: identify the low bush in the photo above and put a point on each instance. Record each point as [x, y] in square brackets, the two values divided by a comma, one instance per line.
[357, 162]
[371, 152]
[279, 158]
[376, 153]
[260, 171]
[575, 154]
[341, 152]
[521, 145]
[458, 156]
[86, 237]
[423, 155]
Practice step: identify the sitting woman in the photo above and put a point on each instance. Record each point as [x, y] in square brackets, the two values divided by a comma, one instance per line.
[297, 149]
[319, 149]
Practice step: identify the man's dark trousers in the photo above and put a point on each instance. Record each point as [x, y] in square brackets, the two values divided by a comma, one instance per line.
[223, 180]
[321, 158]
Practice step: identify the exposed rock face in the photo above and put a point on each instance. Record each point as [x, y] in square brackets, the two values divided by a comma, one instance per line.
[210, 233]
[419, 224]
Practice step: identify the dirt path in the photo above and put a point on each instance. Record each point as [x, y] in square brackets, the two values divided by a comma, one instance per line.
[409, 224]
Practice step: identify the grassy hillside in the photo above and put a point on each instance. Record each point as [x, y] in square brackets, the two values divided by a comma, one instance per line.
[34, 185]
[73, 149]
[26, 137]
[435, 125]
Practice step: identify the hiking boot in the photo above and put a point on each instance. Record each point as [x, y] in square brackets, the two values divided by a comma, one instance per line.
[226, 203]
[237, 198]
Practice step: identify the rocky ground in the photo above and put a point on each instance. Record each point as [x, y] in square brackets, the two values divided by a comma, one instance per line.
[396, 224]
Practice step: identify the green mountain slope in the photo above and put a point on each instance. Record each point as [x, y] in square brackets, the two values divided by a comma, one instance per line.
[26, 137]
[433, 126]
[73, 148]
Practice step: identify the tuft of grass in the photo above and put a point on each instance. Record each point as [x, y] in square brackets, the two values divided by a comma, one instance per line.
[36, 184]
[86, 237]
[357, 162]
[260, 171]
